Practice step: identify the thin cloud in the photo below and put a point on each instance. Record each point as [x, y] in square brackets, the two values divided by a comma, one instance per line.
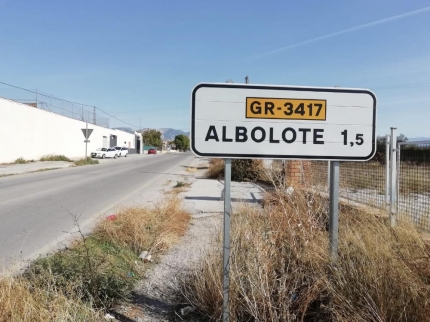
[342, 32]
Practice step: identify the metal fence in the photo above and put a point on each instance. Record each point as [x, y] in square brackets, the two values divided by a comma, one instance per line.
[362, 182]
[413, 188]
[407, 195]
[48, 102]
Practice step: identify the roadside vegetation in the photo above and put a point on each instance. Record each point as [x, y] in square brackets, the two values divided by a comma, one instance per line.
[83, 281]
[152, 138]
[55, 157]
[86, 161]
[22, 161]
[281, 271]
[182, 184]
[241, 170]
[182, 142]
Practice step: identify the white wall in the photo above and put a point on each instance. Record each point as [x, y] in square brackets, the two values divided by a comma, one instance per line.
[31, 133]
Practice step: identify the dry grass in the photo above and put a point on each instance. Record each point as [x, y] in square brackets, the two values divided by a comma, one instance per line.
[280, 270]
[19, 301]
[216, 169]
[414, 178]
[152, 229]
[191, 169]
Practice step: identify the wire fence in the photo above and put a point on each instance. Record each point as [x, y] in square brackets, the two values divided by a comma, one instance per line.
[362, 182]
[413, 199]
[39, 99]
[366, 182]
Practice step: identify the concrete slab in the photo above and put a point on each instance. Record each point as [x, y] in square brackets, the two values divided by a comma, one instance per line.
[206, 195]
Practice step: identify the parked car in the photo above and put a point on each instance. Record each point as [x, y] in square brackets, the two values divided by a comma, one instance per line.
[104, 153]
[121, 151]
[152, 151]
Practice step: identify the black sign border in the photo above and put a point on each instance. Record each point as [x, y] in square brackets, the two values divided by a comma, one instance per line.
[292, 88]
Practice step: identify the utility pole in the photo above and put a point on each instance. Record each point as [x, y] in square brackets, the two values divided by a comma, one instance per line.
[94, 115]
[246, 80]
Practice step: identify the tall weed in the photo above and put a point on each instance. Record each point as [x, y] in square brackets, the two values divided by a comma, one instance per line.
[280, 268]
[153, 229]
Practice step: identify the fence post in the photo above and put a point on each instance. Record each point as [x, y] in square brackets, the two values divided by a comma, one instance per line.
[398, 173]
[334, 211]
[393, 178]
[387, 172]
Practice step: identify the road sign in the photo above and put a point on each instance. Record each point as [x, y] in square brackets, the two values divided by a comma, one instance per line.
[87, 141]
[87, 133]
[283, 122]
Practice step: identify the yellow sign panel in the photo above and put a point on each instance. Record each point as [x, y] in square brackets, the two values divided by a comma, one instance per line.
[286, 108]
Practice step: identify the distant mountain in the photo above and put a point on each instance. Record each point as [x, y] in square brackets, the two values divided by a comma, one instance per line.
[419, 139]
[168, 134]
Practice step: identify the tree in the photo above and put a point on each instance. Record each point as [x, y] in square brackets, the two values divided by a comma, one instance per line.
[182, 142]
[152, 138]
[402, 138]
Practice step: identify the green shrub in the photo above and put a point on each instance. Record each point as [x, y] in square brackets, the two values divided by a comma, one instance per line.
[94, 270]
[55, 157]
[181, 184]
[241, 169]
[246, 170]
[86, 161]
[22, 161]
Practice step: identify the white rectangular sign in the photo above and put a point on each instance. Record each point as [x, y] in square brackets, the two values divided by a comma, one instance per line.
[283, 122]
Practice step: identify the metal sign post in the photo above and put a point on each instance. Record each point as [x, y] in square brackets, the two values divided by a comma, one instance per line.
[334, 210]
[86, 140]
[87, 132]
[226, 241]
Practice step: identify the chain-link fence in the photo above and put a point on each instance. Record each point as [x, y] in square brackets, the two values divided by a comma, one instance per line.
[38, 99]
[413, 200]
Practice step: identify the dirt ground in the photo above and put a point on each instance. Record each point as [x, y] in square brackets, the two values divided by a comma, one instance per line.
[156, 296]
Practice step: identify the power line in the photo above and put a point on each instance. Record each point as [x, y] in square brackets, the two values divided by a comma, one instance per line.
[38, 93]
[114, 117]
[156, 110]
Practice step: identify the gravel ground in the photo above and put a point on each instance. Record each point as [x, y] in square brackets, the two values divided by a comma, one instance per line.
[156, 296]
[157, 293]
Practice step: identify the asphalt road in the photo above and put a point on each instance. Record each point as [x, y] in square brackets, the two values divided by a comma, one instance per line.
[37, 210]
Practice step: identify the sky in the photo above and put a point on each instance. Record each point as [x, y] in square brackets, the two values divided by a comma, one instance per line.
[139, 60]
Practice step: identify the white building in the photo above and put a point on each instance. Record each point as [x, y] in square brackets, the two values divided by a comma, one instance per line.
[29, 132]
